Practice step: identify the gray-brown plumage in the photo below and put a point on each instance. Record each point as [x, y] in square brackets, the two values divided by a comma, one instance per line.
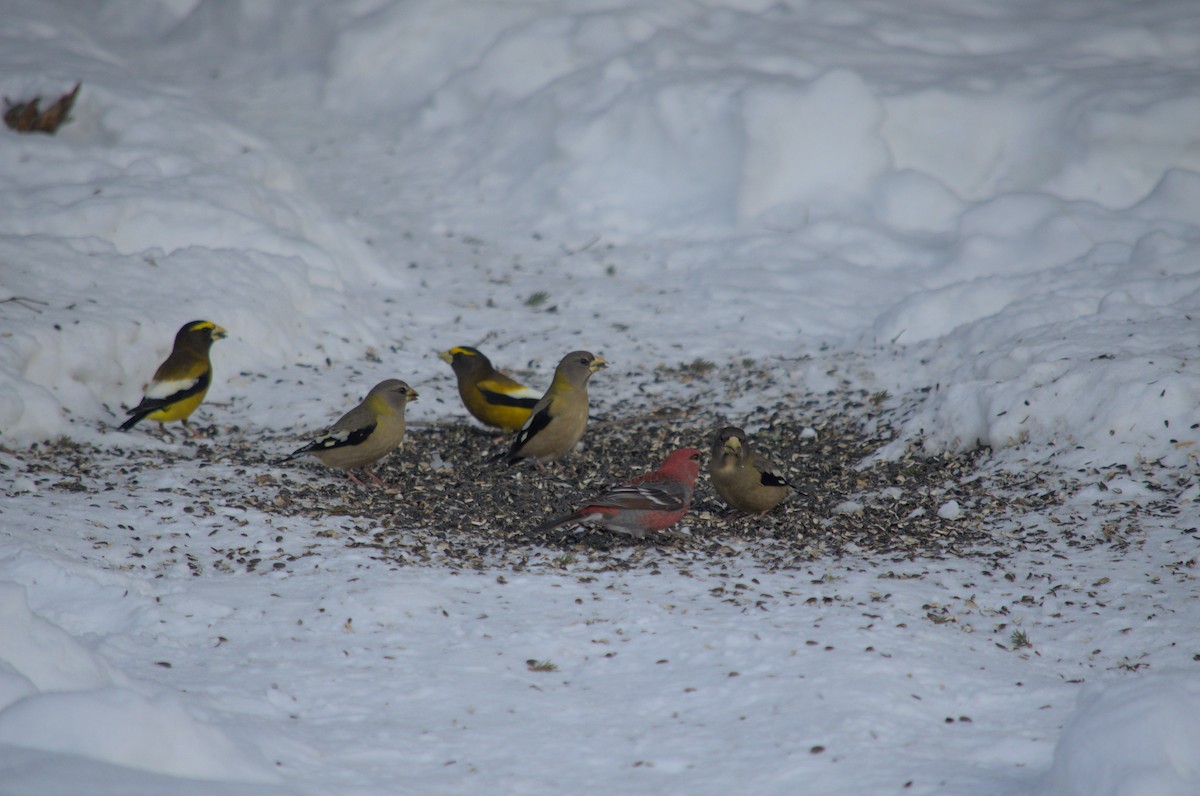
[746, 481]
[366, 433]
[557, 422]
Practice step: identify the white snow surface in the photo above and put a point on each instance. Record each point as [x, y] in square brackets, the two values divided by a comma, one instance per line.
[987, 209]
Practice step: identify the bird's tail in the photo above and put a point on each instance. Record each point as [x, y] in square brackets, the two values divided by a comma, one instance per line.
[133, 421]
[296, 454]
[505, 456]
[565, 519]
[290, 456]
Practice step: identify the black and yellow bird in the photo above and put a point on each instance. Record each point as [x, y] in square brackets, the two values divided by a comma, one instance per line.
[744, 479]
[365, 434]
[493, 398]
[180, 383]
[559, 419]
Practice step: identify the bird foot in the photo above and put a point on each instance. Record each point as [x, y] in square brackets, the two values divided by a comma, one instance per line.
[164, 434]
[375, 480]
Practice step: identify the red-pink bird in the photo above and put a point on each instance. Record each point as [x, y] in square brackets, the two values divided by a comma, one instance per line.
[651, 502]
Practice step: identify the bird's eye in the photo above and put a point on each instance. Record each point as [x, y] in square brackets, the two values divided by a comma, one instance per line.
[695, 457]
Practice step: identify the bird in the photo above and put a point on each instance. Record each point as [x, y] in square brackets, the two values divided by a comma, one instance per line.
[651, 502]
[180, 383]
[557, 421]
[365, 434]
[744, 479]
[493, 398]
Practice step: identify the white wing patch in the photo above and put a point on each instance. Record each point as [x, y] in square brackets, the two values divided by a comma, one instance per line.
[526, 392]
[169, 387]
[331, 439]
[646, 497]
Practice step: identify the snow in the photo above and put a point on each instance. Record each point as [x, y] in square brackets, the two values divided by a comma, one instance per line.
[1134, 738]
[984, 211]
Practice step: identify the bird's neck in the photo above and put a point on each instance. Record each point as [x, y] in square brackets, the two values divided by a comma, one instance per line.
[380, 406]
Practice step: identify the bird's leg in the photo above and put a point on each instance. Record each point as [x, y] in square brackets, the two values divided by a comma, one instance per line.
[374, 478]
[355, 478]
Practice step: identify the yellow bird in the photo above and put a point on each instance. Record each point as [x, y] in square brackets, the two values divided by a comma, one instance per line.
[365, 434]
[493, 398]
[180, 383]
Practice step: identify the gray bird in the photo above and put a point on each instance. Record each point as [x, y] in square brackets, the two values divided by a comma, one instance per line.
[365, 434]
[558, 420]
[745, 480]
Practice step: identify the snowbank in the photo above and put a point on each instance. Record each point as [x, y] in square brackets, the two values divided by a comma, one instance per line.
[58, 697]
[1017, 231]
[1135, 738]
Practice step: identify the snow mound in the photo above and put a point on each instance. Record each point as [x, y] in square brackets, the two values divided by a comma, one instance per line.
[57, 696]
[1137, 738]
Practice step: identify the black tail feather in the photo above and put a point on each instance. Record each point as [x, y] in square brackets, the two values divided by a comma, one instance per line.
[294, 455]
[508, 457]
[133, 421]
[550, 524]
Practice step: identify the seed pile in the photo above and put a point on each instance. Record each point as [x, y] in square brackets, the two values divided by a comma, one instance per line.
[446, 504]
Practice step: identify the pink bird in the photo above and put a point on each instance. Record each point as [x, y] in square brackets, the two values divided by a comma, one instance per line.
[651, 502]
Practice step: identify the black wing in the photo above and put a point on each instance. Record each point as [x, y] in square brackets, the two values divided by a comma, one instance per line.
[536, 422]
[149, 405]
[332, 440]
[771, 479]
[500, 399]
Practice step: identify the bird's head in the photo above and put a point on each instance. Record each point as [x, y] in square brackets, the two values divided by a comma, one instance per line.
[730, 441]
[392, 392]
[199, 334]
[578, 366]
[460, 353]
[684, 463]
[464, 359]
